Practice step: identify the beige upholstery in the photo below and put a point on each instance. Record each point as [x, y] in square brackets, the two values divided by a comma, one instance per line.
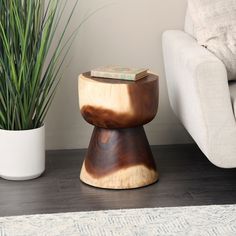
[214, 24]
[200, 96]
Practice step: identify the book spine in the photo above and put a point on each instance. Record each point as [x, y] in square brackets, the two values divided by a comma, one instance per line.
[113, 75]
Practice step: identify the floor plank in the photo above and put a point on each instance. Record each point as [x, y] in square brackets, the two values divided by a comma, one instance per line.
[186, 178]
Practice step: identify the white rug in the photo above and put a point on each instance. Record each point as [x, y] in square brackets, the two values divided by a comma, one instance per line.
[196, 220]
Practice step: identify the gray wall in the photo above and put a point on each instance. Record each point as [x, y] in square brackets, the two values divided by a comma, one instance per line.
[126, 32]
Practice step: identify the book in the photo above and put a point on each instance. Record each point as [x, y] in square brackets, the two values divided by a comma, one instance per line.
[118, 72]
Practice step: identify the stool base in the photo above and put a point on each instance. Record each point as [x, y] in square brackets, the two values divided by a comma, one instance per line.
[119, 159]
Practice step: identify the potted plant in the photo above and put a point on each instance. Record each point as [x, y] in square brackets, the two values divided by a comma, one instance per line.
[27, 83]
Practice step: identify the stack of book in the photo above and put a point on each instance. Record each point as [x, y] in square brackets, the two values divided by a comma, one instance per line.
[120, 73]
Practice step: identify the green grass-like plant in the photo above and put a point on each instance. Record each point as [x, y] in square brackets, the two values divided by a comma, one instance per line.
[27, 84]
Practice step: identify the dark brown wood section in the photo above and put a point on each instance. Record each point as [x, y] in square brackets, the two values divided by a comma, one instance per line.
[112, 150]
[109, 119]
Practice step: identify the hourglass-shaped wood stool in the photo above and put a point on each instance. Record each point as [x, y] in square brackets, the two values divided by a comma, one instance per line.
[119, 155]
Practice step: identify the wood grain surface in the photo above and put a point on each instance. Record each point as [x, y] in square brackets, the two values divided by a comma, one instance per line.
[119, 159]
[113, 104]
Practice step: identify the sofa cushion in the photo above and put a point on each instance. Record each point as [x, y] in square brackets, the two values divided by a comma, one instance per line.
[188, 26]
[215, 28]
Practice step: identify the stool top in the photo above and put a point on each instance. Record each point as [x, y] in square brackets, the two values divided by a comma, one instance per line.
[147, 79]
[110, 103]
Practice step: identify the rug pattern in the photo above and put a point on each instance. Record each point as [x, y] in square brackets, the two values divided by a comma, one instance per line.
[196, 220]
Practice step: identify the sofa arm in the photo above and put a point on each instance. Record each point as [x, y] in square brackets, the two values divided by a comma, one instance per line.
[199, 95]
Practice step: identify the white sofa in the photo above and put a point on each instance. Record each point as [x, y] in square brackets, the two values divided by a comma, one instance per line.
[200, 95]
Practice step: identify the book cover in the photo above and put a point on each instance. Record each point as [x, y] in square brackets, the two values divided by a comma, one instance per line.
[118, 72]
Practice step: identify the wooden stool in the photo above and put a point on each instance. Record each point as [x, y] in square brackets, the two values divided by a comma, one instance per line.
[119, 155]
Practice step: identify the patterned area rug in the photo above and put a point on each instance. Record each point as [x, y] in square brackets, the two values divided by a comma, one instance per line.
[196, 220]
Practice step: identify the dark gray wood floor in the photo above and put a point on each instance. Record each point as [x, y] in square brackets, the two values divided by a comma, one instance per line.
[186, 178]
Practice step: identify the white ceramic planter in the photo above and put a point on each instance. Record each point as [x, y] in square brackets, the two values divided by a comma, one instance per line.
[22, 154]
